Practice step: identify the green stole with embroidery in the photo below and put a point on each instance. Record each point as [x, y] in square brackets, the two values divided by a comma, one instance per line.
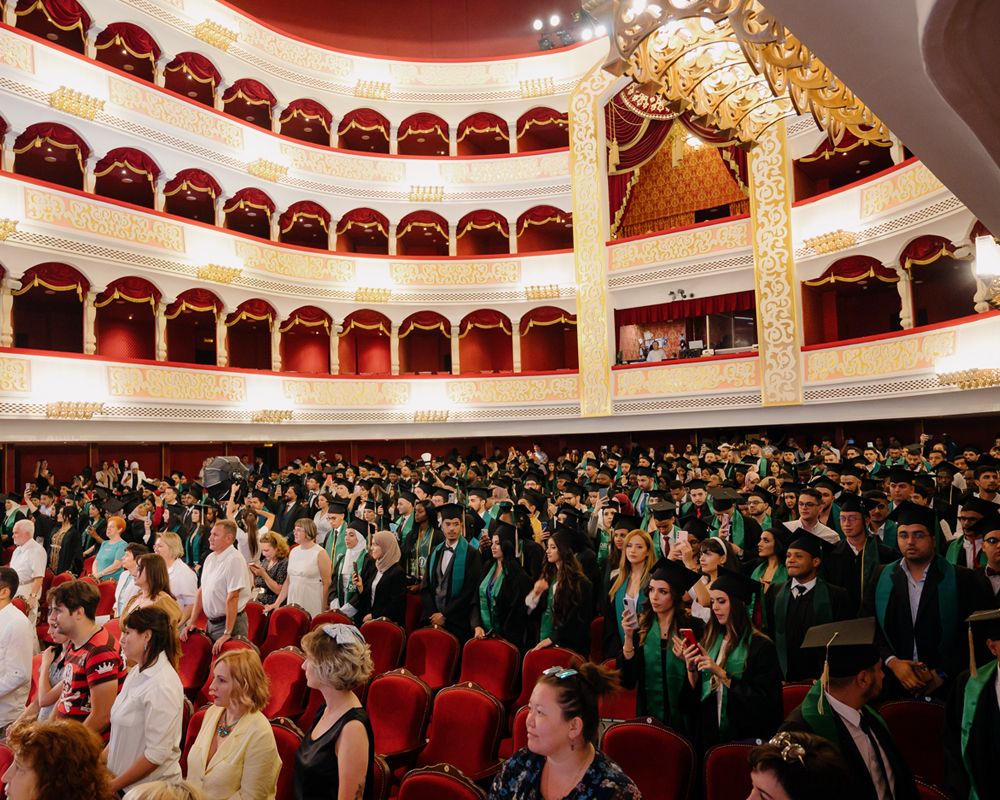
[487, 598]
[973, 692]
[735, 665]
[955, 550]
[603, 548]
[335, 545]
[668, 713]
[947, 599]
[822, 614]
[619, 604]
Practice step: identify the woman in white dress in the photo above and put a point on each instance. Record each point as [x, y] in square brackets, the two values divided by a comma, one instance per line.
[309, 572]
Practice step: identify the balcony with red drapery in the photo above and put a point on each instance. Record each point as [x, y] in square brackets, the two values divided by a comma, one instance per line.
[835, 164]
[126, 46]
[192, 194]
[47, 311]
[422, 233]
[856, 296]
[485, 343]
[544, 228]
[64, 22]
[248, 333]
[944, 287]
[192, 75]
[305, 341]
[425, 344]
[126, 318]
[363, 230]
[249, 211]
[251, 100]
[542, 129]
[482, 233]
[483, 134]
[363, 130]
[191, 327]
[51, 152]
[306, 224]
[422, 134]
[365, 344]
[127, 174]
[548, 340]
[307, 121]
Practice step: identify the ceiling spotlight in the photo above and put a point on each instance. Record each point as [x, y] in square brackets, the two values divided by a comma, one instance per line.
[537, 25]
[587, 34]
[693, 141]
[554, 20]
[600, 31]
[545, 43]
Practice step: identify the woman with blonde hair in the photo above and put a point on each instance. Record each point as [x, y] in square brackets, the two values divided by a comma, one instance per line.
[270, 575]
[162, 790]
[153, 581]
[309, 572]
[234, 755]
[54, 761]
[628, 589]
[183, 580]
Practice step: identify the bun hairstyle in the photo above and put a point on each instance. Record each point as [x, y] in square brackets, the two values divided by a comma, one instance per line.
[807, 766]
[578, 688]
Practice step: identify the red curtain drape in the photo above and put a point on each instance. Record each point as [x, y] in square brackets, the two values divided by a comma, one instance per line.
[484, 319]
[422, 219]
[367, 320]
[56, 276]
[684, 309]
[365, 119]
[853, 269]
[251, 91]
[541, 117]
[483, 219]
[425, 321]
[130, 159]
[545, 315]
[51, 133]
[255, 310]
[309, 317]
[194, 179]
[131, 38]
[848, 141]
[64, 14]
[633, 139]
[423, 124]
[195, 300]
[197, 66]
[540, 215]
[924, 250]
[131, 288]
[250, 197]
[363, 218]
[483, 122]
[3, 127]
[620, 187]
[304, 209]
[309, 110]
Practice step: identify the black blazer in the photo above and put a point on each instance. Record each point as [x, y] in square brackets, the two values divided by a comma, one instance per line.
[984, 743]
[285, 519]
[510, 617]
[458, 611]
[390, 597]
[71, 552]
[573, 631]
[842, 568]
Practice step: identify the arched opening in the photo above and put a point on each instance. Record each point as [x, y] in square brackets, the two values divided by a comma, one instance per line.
[544, 228]
[51, 152]
[422, 233]
[365, 131]
[248, 334]
[306, 224]
[126, 46]
[943, 286]
[128, 175]
[363, 230]
[249, 211]
[548, 340]
[483, 134]
[831, 166]
[48, 308]
[305, 341]
[192, 194]
[126, 319]
[425, 344]
[542, 129]
[307, 121]
[191, 327]
[485, 343]
[250, 100]
[62, 22]
[365, 344]
[856, 296]
[194, 76]
[422, 134]
[482, 233]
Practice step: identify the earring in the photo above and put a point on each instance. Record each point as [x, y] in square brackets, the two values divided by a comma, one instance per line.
[572, 745]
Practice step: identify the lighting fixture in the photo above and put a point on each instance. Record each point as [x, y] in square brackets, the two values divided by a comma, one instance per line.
[267, 170]
[537, 25]
[370, 296]
[587, 34]
[554, 20]
[426, 194]
[215, 34]
[7, 227]
[975, 378]
[987, 257]
[77, 103]
[430, 416]
[218, 273]
[542, 292]
[831, 242]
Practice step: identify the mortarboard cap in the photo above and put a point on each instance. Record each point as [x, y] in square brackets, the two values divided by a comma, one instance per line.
[850, 645]
[409, 497]
[337, 507]
[783, 535]
[694, 527]
[626, 522]
[674, 573]
[811, 544]
[698, 483]
[735, 585]
[824, 483]
[451, 511]
[909, 513]
[900, 475]
[479, 491]
[648, 472]
[851, 503]
[988, 524]
[723, 499]
[664, 510]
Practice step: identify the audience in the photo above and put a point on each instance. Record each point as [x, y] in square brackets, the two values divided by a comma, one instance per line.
[271, 571]
[183, 580]
[385, 595]
[307, 584]
[797, 766]
[154, 589]
[28, 561]
[108, 563]
[126, 588]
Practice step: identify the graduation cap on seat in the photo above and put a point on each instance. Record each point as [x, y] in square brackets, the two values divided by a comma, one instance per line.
[674, 573]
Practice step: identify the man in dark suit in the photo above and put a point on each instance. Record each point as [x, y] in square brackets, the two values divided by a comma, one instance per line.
[289, 511]
[990, 531]
[453, 574]
[840, 712]
[853, 564]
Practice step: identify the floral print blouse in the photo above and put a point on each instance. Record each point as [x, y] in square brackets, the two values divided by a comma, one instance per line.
[521, 779]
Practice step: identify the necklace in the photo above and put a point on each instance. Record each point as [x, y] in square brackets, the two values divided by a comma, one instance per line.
[223, 730]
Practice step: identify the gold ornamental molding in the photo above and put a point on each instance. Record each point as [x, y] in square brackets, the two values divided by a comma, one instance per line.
[150, 383]
[514, 391]
[218, 273]
[372, 90]
[687, 245]
[372, 295]
[294, 264]
[7, 227]
[831, 242]
[15, 375]
[905, 186]
[430, 416]
[216, 35]
[687, 379]
[76, 103]
[426, 194]
[68, 410]
[455, 273]
[347, 393]
[547, 292]
[976, 378]
[272, 416]
[537, 87]
[267, 170]
[916, 353]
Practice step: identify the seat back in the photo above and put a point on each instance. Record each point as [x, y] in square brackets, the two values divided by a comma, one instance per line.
[114, 628]
[792, 695]
[20, 604]
[536, 662]
[285, 628]
[439, 782]
[492, 664]
[329, 617]
[88, 565]
[236, 643]
[466, 731]
[186, 714]
[414, 611]
[288, 683]
[61, 578]
[287, 737]
[520, 728]
[196, 661]
[927, 792]
[107, 602]
[620, 704]
[917, 727]
[193, 727]
[432, 655]
[314, 701]
[398, 705]
[6, 759]
[727, 772]
[659, 761]
[381, 779]
[386, 639]
[597, 640]
[256, 622]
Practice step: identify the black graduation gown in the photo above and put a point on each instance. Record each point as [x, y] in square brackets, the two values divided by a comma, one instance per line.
[573, 632]
[532, 558]
[70, 552]
[984, 741]
[367, 573]
[390, 597]
[804, 664]
[751, 539]
[458, 609]
[843, 568]
[510, 614]
[408, 546]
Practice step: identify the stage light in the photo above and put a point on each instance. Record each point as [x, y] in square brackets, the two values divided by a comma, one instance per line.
[600, 30]
[587, 34]
[537, 25]
[554, 20]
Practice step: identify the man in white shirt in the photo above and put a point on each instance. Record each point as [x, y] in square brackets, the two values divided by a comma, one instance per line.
[225, 588]
[17, 645]
[810, 504]
[28, 561]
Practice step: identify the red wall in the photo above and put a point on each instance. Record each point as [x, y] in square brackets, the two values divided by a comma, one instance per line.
[64, 462]
[249, 345]
[548, 347]
[186, 335]
[489, 350]
[48, 321]
[942, 290]
[306, 350]
[187, 458]
[365, 353]
[424, 351]
[120, 337]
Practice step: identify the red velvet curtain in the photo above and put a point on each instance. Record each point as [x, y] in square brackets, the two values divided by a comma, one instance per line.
[3, 127]
[51, 133]
[197, 66]
[127, 158]
[483, 122]
[730, 150]
[194, 179]
[195, 300]
[367, 320]
[546, 315]
[924, 250]
[251, 91]
[425, 321]
[484, 319]
[620, 187]
[131, 288]
[632, 138]
[848, 141]
[250, 198]
[130, 37]
[422, 219]
[365, 119]
[684, 309]
[540, 215]
[64, 14]
[422, 124]
[853, 269]
[309, 317]
[56, 276]
[308, 110]
[304, 209]
[541, 117]
[483, 219]
[363, 218]
[255, 310]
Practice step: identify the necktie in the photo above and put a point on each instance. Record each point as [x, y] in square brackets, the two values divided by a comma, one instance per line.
[990, 572]
[880, 777]
[800, 591]
[449, 549]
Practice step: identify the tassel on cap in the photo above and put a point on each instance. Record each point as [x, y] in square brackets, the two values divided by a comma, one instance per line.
[824, 679]
[972, 654]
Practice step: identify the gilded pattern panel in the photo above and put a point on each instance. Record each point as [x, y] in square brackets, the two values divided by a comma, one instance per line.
[289, 51]
[347, 394]
[108, 221]
[902, 187]
[686, 379]
[144, 383]
[454, 273]
[471, 74]
[15, 375]
[515, 390]
[690, 244]
[16, 52]
[338, 165]
[500, 171]
[295, 265]
[905, 354]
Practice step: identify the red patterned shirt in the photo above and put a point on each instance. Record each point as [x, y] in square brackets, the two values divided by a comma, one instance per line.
[96, 661]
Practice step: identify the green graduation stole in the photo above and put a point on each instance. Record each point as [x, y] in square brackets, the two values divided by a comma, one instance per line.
[335, 546]
[656, 541]
[947, 599]
[780, 576]
[653, 682]
[822, 722]
[688, 508]
[619, 604]
[603, 549]
[647, 511]
[457, 567]
[973, 691]
[352, 591]
[822, 614]
[890, 535]
[735, 528]
[736, 663]
[547, 623]
[487, 599]
[955, 550]
[191, 548]
[869, 563]
[405, 527]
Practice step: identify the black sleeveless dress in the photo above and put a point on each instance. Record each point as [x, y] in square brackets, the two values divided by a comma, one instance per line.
[317, 775]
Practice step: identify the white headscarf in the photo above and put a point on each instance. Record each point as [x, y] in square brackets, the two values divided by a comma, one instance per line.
[352, 554]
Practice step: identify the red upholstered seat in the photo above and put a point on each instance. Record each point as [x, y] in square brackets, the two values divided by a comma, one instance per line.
[398, 705]
[314, 701]
[61, 578]
[386, 639]
[432, 655]
[286, 628]
[659, 761]
[792, 695]
[236, 643]
[256, 622]
[927, 792]
[918, 728]
[288, 683]
[186, 715]
[440, 782]
[414, 610]
[114, 628]
[519, 734]
[20, 604]
[536, 662]
[492, 664]
[466, 731]
[33, 691]
[193, 726]
[6, 759]
[287, 737]
[329, 617]
[620, 704]
[382, 779]
[727, 772]
[196, 660]
[597, 640]
[88, 565]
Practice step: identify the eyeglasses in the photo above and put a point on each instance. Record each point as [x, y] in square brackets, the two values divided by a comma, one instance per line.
[560, 673]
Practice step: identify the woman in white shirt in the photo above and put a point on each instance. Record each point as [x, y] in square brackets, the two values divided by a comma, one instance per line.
[147, 715]
[183, 580]
[248, 536]
[323, 524]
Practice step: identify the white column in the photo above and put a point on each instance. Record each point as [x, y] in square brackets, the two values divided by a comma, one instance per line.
[220, 215]
[896, 152]
[452, 240]
[221, 338]
[392, 239]
[331, 236]
[88, 173]
[335, 330]
[7, 151]
[159, 70]
[90, 37]
[160, 332]
[512, 235]
[90, 323]
[515, 341]
[452, 140]
[7, 287]
[274, 225]
[9, 17]
[905, 289]
[276, 113]
[455, 351]
[219, 91]
[512, 134]
[158, 198]
[393, 140]
[276, 346]
[394, 350]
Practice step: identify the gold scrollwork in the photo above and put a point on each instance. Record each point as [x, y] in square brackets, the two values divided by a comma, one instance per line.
[276, 261]
[686, 379]
[290, 51]
[7, 227]
[17, 52]
[347, 393]
[903, 354]
[454, 273]
[343, 165]
[901, 187]
[218, 273]
[15, 375]
[696, 243]
[175, 384]
[469, 74]
[76, 103]
[215, 34]
[559, 389]
[267, 170]
[497, 171]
